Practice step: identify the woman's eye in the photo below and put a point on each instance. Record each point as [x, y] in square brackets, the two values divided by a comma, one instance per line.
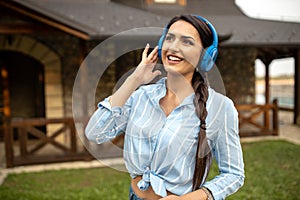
[169, 38]
[188, 42]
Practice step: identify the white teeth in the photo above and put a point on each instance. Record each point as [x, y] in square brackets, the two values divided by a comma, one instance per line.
[174, 58]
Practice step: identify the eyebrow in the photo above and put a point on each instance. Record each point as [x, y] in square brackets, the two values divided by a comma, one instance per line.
[182, 36]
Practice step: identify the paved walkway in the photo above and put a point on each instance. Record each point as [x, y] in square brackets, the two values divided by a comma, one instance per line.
[287, 132]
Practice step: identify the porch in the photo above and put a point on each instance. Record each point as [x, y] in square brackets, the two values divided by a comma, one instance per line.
[26, 143]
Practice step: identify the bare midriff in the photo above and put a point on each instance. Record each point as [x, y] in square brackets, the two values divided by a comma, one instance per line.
[147, 194]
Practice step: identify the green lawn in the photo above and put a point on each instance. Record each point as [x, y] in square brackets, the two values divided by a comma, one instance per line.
[272, 172]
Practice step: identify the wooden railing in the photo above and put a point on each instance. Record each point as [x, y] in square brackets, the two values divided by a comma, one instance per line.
[27, 141]
[258, 120]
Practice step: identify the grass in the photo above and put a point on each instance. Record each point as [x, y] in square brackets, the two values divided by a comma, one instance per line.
[94, 183]
[272, 172]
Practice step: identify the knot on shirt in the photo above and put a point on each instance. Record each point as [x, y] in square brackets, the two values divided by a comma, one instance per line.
[145, 182]
[157, 183]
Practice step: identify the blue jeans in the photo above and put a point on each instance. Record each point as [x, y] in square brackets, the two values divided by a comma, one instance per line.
[132, 195]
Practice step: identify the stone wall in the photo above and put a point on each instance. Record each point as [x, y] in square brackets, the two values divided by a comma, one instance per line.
[67, 48]
[236, 65]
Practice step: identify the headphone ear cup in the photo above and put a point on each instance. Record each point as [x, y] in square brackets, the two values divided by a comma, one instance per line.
[161, 41]
[211, 53]
[208, 58]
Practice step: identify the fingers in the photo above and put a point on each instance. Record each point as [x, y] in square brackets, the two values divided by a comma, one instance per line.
[156, 73]
[144, 56]
[152, 57]
[153, 54]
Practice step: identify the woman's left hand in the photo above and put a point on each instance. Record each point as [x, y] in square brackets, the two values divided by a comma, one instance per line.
[171, 197]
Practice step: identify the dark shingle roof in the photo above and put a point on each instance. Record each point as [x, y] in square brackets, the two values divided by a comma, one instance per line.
[228, 19]
[97, 18]
[100, 18]
[256, 32]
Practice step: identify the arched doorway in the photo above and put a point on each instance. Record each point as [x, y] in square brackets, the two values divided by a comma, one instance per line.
[25, 83]
[51, 76]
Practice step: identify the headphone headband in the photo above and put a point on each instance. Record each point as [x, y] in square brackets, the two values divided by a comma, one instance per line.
[210, 54]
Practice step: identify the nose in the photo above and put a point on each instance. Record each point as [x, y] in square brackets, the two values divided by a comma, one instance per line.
[174, 46]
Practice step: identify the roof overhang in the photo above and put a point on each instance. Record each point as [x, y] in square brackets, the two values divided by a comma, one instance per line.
[34, 14]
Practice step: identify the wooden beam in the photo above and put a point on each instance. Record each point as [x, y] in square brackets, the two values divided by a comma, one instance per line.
[20, 29]
[275, 117]
[45, 20]
[267, 83]
[267, 94]
[297, 88]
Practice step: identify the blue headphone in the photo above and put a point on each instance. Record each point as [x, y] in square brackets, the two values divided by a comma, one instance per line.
[211, 52]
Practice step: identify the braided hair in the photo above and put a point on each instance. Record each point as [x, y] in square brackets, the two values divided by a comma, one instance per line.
[203, 155]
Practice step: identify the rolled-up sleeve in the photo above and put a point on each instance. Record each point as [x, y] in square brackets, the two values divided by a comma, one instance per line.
[107, 122]
[228, 153]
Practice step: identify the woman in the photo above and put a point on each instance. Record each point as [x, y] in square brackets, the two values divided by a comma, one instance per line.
[174, 128]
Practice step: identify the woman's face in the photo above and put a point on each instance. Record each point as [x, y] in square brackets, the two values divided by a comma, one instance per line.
[181, 48]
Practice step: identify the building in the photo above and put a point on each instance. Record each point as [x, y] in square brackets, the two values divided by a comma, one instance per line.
[44, 44]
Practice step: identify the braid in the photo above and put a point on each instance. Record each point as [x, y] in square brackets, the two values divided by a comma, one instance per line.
[203, 154]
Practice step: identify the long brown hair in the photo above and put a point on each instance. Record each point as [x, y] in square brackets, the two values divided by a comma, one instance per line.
[203, 154]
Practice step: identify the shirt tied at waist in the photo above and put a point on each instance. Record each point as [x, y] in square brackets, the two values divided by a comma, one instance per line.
[157, 183]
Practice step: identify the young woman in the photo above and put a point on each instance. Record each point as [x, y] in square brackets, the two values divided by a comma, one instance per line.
[174, 128]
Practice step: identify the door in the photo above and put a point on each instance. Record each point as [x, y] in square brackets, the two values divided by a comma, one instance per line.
[25, 84]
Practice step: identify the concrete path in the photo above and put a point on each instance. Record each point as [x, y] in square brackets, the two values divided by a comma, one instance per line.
[116, 163]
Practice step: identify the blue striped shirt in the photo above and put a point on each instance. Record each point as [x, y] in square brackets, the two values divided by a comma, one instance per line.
[162, 148]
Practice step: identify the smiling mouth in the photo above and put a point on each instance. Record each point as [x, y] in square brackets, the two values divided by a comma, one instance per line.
[174, 59]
